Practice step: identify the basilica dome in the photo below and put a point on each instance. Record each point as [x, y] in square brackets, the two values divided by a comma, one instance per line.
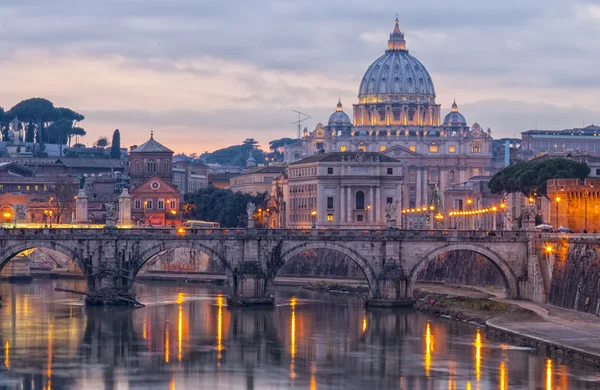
[396, 73]
[339, 117]
[455, 118]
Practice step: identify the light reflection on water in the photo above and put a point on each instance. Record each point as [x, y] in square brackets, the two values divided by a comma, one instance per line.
[187, 338]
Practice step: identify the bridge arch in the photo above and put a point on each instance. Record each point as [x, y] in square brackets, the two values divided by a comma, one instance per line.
[348, 252]
[164, 246]
[510, 280]
[19, 247]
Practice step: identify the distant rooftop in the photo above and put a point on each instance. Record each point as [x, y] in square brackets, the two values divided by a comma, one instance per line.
[151, 146]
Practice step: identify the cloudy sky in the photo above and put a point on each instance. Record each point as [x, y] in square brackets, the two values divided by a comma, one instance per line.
[207, 74]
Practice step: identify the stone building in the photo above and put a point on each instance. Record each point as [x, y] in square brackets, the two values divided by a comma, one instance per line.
[256, 180]
[148, 160]
[155, 201]
[397, 115]
[586, 139]
[578, 204]
[341, 190]
[190, 177]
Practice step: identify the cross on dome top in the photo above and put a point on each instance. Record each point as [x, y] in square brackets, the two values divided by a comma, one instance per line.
[396, 41]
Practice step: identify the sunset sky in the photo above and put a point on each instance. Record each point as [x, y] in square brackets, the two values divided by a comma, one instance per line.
[208, 74]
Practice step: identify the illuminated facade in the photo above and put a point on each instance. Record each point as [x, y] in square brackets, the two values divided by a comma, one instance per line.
[342, 190]
[397, 115]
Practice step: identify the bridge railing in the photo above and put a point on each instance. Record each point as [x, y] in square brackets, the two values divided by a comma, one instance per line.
[280, 233]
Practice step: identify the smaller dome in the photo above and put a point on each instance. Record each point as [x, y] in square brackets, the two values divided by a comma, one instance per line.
[454, 118]
[339, 117]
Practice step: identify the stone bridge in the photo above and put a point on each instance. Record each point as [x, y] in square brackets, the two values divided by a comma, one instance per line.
[391, 259]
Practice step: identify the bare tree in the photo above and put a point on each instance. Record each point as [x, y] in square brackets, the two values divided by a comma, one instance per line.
[63, 191]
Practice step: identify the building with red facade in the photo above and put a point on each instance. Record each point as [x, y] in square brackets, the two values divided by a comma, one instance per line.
[156, 201]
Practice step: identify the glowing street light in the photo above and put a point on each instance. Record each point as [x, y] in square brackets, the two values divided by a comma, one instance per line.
[173, 213]
[557, 199]
[314, 218]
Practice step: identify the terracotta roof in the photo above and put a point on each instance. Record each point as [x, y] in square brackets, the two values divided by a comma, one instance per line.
[91, 163]
[345, 156]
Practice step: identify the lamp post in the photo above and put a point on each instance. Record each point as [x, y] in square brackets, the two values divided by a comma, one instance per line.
[173, 213]
[314, 218]
[50, 213]
[557, 199]
[145, 207]
[469, 219]
[367, 213]
[45, 218]
[587, 193]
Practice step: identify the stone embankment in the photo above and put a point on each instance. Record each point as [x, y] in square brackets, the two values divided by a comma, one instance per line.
[549, 329]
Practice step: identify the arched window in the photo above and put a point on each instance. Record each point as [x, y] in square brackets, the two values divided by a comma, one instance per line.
[137, 166]
[411, 115]
[151, 166]
[166, 166]
[360, 200]
[451, 177]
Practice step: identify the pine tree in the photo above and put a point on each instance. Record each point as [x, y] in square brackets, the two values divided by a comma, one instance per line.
[115, 148]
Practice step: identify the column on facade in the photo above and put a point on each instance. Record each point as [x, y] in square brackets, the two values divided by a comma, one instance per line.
[374, 115]
[342, 205]
[425, 195]
[379, 213]
[349, 204]
[371, 211]
[419, 122]
[442, 179]
[388, 115]
[418, 199]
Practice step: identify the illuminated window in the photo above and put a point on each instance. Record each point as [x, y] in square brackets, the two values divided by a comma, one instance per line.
[26, 188]
[382, 148]
[433, 148]
[412, 148]
[343, 148]
[452, 149]
[37, 188]
[362, 148]
[18, 188]
[330, 217]
[476, 147]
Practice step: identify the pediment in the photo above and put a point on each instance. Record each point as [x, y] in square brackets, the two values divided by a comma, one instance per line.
[155, 184]
[400, 151]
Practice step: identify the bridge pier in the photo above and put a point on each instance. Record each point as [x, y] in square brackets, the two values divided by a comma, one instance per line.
[249, 287]
[391, 289]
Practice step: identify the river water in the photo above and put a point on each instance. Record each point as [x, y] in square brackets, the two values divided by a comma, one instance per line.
[187, 338]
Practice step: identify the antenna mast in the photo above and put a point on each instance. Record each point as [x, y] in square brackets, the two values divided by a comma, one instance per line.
[301, 118]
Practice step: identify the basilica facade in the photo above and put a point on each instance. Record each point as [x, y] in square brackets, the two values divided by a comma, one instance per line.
[397, 115]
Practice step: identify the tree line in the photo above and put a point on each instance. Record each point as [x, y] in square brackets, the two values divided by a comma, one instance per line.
[224, 206]
[531, 176]
[42, 122]
[239, 154]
